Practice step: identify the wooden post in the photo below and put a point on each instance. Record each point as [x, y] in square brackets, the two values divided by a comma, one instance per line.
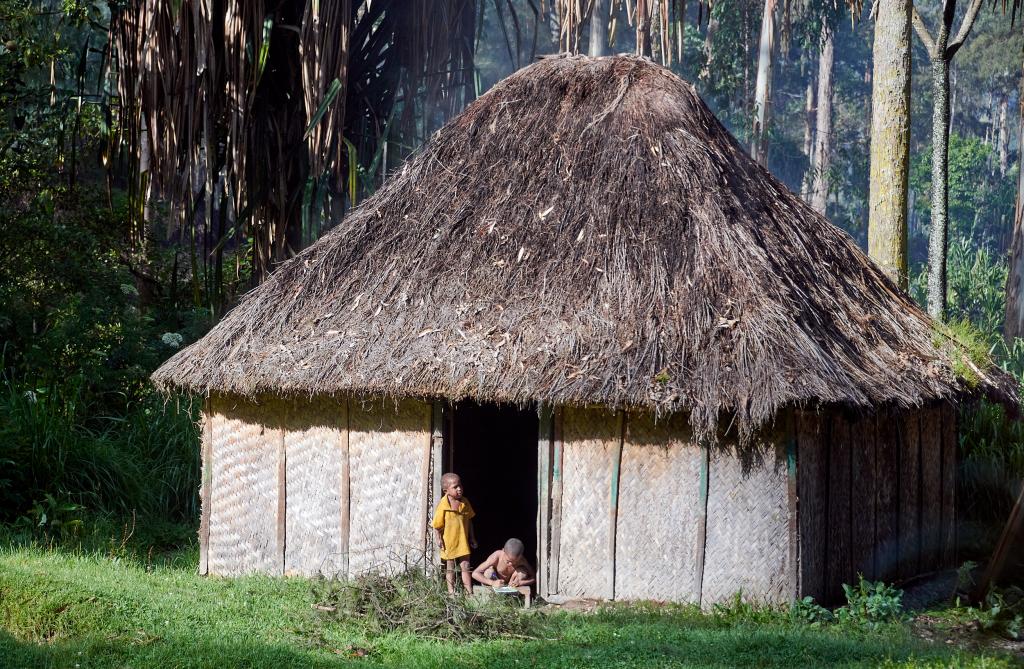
[344, 522]
[282, 497]
[556, 502]
[613, 507]
[436, 468]
[544, 444]
[206, 489]
[702, 520]
[793, 571]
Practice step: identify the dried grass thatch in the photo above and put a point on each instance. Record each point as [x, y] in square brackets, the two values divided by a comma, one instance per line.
[586, 232]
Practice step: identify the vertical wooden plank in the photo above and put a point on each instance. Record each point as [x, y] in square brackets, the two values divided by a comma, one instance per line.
[792, 511]
[556, 502]
[344, 523]
[425, 489]
[812, 500]
[436, 470]
[205, 489]
[840, 539]
[887, 549]
[862, 440]
[613, 506]
[910, 494]
[544, 445]
[931, 487]
[702, 529]
[282, 500]
[950, 466]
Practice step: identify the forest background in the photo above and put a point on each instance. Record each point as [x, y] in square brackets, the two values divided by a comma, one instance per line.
[138, 200]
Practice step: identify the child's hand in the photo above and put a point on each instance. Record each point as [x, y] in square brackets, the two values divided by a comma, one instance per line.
[440, 544]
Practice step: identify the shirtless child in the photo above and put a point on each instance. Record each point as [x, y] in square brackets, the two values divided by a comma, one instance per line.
[506, 566]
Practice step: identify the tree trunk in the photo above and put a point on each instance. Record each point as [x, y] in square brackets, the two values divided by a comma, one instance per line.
[1014, 326]
[599, 28]
[709, 41]
[763, 87]
[890, 140]
[643, 28]
[1003, 138]
[805, 187]
[939, 227]
[823, 137]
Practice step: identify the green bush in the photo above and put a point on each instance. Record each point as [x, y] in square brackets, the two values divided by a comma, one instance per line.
[871, 603]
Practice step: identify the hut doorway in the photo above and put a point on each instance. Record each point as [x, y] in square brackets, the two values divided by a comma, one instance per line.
[494, 449]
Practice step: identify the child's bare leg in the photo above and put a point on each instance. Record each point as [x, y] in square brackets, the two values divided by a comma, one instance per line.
[449, 575]
[467, 575]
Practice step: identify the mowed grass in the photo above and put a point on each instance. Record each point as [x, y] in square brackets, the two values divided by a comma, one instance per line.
[60, 609]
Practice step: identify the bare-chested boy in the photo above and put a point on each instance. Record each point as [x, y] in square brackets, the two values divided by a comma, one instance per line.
[507, 566]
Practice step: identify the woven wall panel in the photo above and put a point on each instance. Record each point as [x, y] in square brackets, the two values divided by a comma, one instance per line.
[659, 508]
[747, 528]
[314, 435]
[244, 495]
[591, 438]
[387, 444]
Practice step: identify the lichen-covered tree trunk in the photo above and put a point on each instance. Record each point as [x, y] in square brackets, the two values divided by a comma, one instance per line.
[823, 135]
[890, 140]
[763, 87]
[1003, 138]
[1014, 326]
[939, 227]
[599, 28]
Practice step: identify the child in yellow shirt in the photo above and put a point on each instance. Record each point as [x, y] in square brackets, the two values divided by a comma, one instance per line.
[453, 522]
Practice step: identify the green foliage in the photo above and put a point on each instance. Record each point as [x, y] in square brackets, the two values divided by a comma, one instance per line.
[871, 603]
[61, 608]
[806, 611]
[980, 206]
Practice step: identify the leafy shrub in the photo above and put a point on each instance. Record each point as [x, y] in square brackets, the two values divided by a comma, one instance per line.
[808, 612]
[871, 603]
[1002, 613]
[409, 601]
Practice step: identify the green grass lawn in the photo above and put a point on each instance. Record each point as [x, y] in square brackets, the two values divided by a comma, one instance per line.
[60, 609]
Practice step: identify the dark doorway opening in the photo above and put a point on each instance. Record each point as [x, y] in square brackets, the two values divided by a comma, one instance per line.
[494, 449]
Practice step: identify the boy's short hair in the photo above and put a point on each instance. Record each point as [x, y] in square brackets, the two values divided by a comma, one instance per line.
[448, 478]
[514, 547]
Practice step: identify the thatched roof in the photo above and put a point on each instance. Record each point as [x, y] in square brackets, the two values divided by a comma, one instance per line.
[586, 232]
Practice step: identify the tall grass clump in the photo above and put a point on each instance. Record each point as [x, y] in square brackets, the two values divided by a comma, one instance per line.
[62, 459]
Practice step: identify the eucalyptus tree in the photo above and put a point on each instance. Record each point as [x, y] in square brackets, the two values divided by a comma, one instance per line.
[941, 48]
[890, 139]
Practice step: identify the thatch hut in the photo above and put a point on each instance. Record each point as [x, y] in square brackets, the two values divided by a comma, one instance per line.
[644, 354]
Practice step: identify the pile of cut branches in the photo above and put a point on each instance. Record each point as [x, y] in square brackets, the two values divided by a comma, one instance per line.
[410, 601]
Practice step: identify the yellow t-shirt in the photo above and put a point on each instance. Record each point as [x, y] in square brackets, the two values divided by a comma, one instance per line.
[454, 526]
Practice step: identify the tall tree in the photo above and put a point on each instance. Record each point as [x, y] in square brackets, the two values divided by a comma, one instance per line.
[890, 139]
[1014, 324]
[941, 51]
[763, 86]
[599, 17]
[823, 122]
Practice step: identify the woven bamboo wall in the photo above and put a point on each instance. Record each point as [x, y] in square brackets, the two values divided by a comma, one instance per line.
[659, 544]
[389, 448]
[246, 444]
[591, 439]
[876, 496]
[314, 438]
[747, 544]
